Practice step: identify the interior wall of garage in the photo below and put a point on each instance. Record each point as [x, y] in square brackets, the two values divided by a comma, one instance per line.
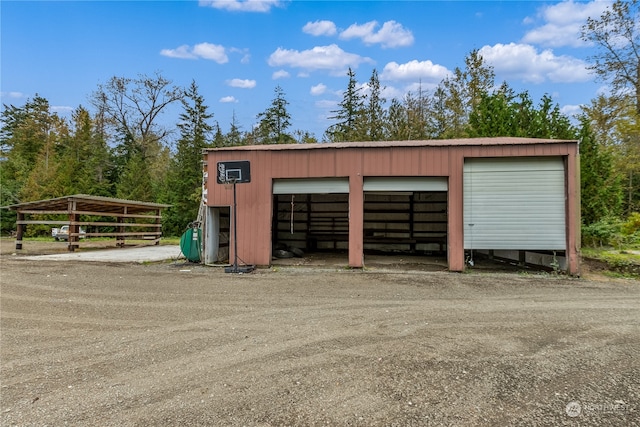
[356, 161]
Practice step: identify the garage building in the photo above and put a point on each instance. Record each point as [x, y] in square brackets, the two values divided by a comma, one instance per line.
[499, 196]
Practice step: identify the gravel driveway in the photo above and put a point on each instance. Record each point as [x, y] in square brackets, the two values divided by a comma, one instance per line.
[172, 344]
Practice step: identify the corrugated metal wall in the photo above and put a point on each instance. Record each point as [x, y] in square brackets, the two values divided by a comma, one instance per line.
[255, 199]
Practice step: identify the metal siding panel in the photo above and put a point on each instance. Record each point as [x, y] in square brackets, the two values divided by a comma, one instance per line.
[322, 164]
[514, 204]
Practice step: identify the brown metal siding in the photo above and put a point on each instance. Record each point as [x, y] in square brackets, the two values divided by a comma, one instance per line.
[411, 159]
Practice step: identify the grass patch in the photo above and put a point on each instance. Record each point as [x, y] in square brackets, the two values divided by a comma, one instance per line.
[621, 262]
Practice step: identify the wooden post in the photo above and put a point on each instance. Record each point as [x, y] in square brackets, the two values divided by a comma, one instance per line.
[158, 221]
[119, 237]
[19, 231]
[72, 237]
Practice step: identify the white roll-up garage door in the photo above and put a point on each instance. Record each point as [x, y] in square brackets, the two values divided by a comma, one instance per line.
[514, 203]
[311, 186]
[405, 184]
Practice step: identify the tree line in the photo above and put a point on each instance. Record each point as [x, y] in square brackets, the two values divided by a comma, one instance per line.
[120, 149]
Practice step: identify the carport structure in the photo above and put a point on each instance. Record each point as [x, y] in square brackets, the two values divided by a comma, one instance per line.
[104, 216]
[504, 197]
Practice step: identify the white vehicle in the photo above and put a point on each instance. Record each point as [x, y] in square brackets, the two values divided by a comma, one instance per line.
[62, 233]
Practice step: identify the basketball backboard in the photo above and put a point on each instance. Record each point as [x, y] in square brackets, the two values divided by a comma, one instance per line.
[233, 172]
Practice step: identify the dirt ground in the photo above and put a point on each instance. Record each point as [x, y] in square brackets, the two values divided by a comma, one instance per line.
[177, 344]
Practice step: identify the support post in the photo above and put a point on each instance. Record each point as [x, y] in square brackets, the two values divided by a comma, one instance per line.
[158, 221]
[19, 231]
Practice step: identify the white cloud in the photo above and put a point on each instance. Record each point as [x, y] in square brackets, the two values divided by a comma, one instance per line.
[181, 52]
[242, 5]
[13, 95]
[243, 84]
[61, 109]
[228, 99]
[563, 22]
[209, 51]
[524, 62]
[318, 89]
[571, 110]
[414, 71]
[390, 92]
[320, 28]
[331, 58]
[280, 74]
[246, 56]
[423, 86]
[392, 34]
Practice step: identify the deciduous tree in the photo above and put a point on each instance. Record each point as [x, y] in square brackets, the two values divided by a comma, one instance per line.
[616, 35]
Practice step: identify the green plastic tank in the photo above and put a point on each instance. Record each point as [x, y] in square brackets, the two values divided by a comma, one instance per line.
[190, 244]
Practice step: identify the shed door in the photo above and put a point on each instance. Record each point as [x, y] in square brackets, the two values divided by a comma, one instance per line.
[311, 186]
[514, 203]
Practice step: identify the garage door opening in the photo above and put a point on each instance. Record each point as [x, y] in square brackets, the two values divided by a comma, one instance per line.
[310, 215]
[310, 223]
[515, 210]
[216, 235]
[406, 222]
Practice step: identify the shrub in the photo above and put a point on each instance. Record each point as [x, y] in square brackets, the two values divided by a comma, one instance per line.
[605, 232]
[611, 231]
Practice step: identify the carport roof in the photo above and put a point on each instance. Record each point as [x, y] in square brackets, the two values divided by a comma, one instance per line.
[88, 203]
[461, 142]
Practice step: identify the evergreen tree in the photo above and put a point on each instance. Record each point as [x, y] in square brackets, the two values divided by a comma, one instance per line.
[600, 187]
[275, 120]
[84, 158]
[494, 115]
[627, 151]
[462, 92]
[234, 137]
[135, 182]
[350, 114]
[417, 107]
[396, 123]
[184, 179]
[375, 112]
[503, 114]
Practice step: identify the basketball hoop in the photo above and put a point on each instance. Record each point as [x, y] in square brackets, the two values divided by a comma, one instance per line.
[229, 174]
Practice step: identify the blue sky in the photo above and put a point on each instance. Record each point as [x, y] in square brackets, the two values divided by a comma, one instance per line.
[239, 51]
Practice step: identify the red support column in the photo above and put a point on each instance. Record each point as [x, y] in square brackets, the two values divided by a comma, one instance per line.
[356, 221]
[455, 232]
[572, 219]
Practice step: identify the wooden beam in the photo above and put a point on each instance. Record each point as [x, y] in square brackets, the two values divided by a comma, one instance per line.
[116, 215]
[117, 224]
[42, 212]
[37, 222]
[124, 234]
